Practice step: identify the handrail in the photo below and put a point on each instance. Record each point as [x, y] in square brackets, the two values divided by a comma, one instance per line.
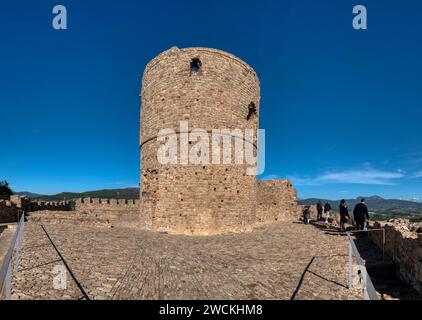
[6, 268]
[369, 290]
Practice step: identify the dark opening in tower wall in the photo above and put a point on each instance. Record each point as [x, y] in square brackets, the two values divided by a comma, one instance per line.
[251, 110]
[195, 65]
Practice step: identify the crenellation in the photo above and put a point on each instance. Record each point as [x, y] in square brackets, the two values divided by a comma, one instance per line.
[106, 204]
[91, 211]
[50, 205]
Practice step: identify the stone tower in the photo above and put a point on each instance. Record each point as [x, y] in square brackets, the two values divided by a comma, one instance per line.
[207, 89]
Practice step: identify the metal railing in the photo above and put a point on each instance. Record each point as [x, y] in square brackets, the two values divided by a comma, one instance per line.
[6, 271]
[369, 290]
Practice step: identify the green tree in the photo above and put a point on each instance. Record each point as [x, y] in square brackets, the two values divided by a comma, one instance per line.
[5, 191]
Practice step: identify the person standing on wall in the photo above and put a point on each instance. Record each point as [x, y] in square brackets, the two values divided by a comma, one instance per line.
[327, 209]
[344, 215]
[360, 215]
[319, 209]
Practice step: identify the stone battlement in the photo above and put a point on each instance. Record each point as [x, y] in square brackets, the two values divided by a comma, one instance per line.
[116, 212]
[51, 205]
[108, 204]
[92, 212]
[9, 209]
[403, 243]
[21, 202]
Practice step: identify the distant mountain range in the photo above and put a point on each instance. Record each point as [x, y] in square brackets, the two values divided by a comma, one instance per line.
[375, 204]
[128, 193]
[28, 194]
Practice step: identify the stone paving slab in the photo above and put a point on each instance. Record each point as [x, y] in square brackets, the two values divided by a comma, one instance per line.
[119, 263]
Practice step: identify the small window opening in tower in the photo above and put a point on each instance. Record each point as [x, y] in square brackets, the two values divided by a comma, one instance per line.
[251, 111]
[195, 65]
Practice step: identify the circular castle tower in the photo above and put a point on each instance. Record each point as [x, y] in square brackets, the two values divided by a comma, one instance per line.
[204, 89]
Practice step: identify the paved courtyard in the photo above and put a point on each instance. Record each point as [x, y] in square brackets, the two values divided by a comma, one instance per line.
[281, 261]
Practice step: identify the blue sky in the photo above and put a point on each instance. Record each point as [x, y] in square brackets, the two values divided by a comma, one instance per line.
[341, 108]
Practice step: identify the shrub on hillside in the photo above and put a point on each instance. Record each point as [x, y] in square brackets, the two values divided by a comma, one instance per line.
[5, 191]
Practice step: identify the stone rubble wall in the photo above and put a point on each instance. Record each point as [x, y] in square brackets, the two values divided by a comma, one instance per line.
[403, 243]
[21, 202]
[277, 201]
[8, 211]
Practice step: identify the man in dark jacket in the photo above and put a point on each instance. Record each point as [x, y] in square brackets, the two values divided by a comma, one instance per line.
[319, 209]
[360, 214]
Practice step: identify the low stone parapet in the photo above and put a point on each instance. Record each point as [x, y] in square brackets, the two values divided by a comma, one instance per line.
[403, 243]
[72, 217]
[98, 217]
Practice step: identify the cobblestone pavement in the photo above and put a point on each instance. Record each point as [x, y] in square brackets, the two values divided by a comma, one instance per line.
[118, 263]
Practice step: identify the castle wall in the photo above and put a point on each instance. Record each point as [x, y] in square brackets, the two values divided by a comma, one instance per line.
[28, 205]
[203, 198]
[91, 212]
[84, 204]
[403, 243]
[21, 202]
[8, 212]
[9, 209]
[117, 212]
[82, 218]
[277, 201]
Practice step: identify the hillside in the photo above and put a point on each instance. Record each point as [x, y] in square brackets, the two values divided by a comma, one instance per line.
[28, 194]
[128, 193]
[376, 204]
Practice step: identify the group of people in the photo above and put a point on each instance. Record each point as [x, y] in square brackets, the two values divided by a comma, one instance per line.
[360, 214]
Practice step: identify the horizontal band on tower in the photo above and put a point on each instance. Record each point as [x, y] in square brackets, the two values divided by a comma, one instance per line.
[208, 131]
